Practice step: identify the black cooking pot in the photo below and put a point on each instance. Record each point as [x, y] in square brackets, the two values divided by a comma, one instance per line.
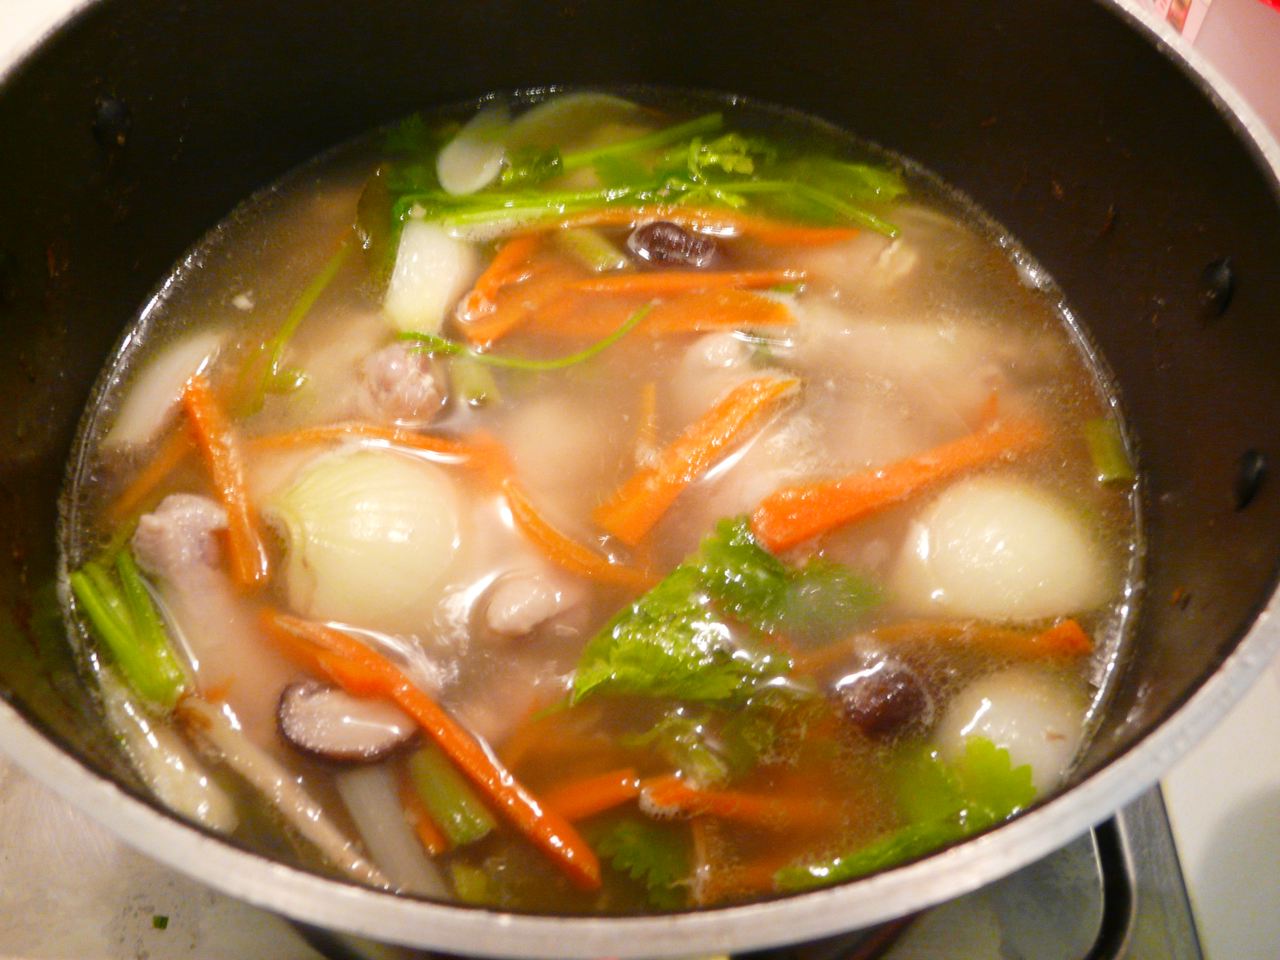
[141, 123]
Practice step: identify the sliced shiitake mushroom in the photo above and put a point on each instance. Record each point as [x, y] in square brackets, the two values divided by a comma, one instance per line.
[326, 722]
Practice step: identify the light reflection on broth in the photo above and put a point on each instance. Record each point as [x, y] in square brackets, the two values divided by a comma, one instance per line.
[799, 515]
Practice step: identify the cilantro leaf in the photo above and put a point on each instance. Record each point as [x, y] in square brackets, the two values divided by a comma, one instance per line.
[824, 600]
[530, 165]
[818, 601]
[683, 741]
[652, 855]
[992, 786]
[671, 643]
[695, 635]
[941, 803]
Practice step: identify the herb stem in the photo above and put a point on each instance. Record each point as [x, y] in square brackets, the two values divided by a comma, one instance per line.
[431, 343]
[707, 123]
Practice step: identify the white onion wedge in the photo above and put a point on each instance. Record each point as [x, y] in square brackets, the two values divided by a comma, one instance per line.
[1027, 711]
[218, 728]
[998, 548]
[473, 159]
[372, 799]
[152, 398]
[432, 270]
[369, 537]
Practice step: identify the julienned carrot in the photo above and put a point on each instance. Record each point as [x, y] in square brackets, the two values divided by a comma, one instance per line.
[656, 283]
[540, 284]
[640, 502]
[708, 219]
[363, 672]
[356, 430]
[562, 550]
[505, 267]
[173, 450]
[429, 835]
[682, 314]
[793, 514]
[220, 450]
[671, 796]
[592, 795]
[1066, 638]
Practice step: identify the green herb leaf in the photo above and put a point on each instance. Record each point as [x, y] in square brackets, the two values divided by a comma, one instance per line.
[816, 602]
[530, 165]
[671, 643]
[682, 741]
[679, 639]
[655, 856]
[824, 600]
[941, 804]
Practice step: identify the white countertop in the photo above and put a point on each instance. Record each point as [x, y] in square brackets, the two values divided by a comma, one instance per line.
[1223, 798]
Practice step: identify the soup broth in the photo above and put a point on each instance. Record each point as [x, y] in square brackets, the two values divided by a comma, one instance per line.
[589, 504]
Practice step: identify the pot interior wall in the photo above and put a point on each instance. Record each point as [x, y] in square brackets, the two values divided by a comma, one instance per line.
[144, 122]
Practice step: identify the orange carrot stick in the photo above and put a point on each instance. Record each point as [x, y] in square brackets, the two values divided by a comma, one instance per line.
[429, 835]
[640, 502]
[594, 317]
[668, 282]
[1064, 639]
[355, 430]
[669, 795]
[503, 269]
[363, 672]
[168, 458]
[795, 513]
[586, 798]
[220, 450]
[561, 549]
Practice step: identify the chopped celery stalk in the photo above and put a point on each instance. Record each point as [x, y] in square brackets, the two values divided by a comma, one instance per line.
[452, 803]
[592, 249]
[431, 343]
[472, 382]
[470, 884]
[129, 625]
[1106, 449]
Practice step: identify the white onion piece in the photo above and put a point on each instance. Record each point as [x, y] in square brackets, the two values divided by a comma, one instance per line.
[218, 728]
[432, 270]
[557, 121]
[165, 762]
[152, 397]
[473, 159]
[998, 548]
[372, 799]
[369, 535]
[1029, 712]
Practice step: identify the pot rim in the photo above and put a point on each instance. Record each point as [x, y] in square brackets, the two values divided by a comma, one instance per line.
[896, 892]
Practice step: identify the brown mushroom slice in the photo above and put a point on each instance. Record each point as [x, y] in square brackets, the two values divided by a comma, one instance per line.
[325, 721]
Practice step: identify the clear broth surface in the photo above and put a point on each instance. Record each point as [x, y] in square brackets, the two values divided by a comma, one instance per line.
[902, 345]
